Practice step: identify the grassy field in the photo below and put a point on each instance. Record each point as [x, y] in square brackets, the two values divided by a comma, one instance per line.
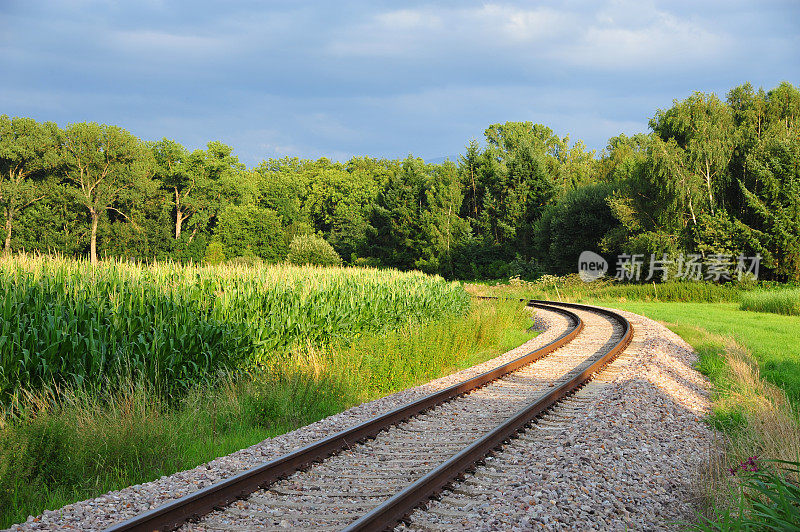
[572, 288]
[343, 336]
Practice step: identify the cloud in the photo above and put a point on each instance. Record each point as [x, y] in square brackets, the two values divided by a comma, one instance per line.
[406, 32]
[380, 78]
[635, 35]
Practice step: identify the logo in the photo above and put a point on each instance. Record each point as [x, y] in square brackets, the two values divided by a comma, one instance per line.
[591, 266]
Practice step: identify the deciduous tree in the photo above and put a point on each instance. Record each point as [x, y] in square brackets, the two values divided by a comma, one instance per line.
[28, 151]
[104, 163]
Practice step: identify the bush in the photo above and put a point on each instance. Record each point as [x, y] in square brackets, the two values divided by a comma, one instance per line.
[314, 250]
[245, 260]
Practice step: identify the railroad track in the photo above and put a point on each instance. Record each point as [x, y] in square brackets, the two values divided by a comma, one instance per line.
[371, 476]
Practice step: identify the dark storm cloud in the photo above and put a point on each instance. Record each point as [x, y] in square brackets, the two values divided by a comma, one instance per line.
[380, 78]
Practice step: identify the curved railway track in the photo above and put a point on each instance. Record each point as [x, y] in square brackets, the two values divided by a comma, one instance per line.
[371, 476]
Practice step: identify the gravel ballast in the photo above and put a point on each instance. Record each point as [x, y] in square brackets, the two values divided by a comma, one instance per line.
[622, 455]
[628, 463]
[333, 494]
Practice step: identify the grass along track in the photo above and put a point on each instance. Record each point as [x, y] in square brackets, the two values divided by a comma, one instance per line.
[785, 301]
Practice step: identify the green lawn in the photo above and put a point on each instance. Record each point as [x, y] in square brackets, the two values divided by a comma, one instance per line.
[773, 339]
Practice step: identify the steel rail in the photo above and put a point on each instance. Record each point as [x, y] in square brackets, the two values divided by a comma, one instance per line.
[391, 512]
[194, 505]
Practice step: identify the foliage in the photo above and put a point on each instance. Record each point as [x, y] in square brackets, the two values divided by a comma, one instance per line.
[775, 200]
[718, 177]
[28, 150]
[215, 253]
[575, 223]
[313, 250]
[714, 177]
[251, 230]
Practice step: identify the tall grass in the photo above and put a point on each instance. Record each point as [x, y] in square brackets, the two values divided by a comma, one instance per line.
[785, 301]
[61, 444]
[65, 321]
[572, 288]
[758, 426]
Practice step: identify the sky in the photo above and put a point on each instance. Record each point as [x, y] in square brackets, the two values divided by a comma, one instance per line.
[380, 78]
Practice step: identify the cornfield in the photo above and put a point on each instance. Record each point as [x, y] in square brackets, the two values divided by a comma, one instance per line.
[177, 325]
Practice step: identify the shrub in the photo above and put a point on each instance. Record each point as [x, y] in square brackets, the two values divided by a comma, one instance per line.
[245, 260]
[314, 250]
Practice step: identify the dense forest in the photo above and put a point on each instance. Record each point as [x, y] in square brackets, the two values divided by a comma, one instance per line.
[712, 177]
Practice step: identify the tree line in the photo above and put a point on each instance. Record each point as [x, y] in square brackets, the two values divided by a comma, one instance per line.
[712, 177]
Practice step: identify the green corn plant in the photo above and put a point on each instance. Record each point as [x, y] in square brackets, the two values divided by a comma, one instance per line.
[179, 325]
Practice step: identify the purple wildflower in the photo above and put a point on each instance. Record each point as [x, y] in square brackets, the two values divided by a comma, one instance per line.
[750, 465]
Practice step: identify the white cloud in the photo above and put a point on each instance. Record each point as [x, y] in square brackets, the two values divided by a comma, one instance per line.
[617, 35]
[520, 25]
[643, 37]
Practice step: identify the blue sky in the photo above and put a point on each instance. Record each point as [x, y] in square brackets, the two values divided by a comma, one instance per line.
[378, 78]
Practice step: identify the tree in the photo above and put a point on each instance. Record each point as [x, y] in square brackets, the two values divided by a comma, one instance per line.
[56, 224]
[283, 186]
[468, 165]
[28, 150]
[578, 221]
[442, 228]
[774, 169]
[104, 163]
[173, 169]
[519, 177]
[220, 180]
[702, 128]
[622, 157]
